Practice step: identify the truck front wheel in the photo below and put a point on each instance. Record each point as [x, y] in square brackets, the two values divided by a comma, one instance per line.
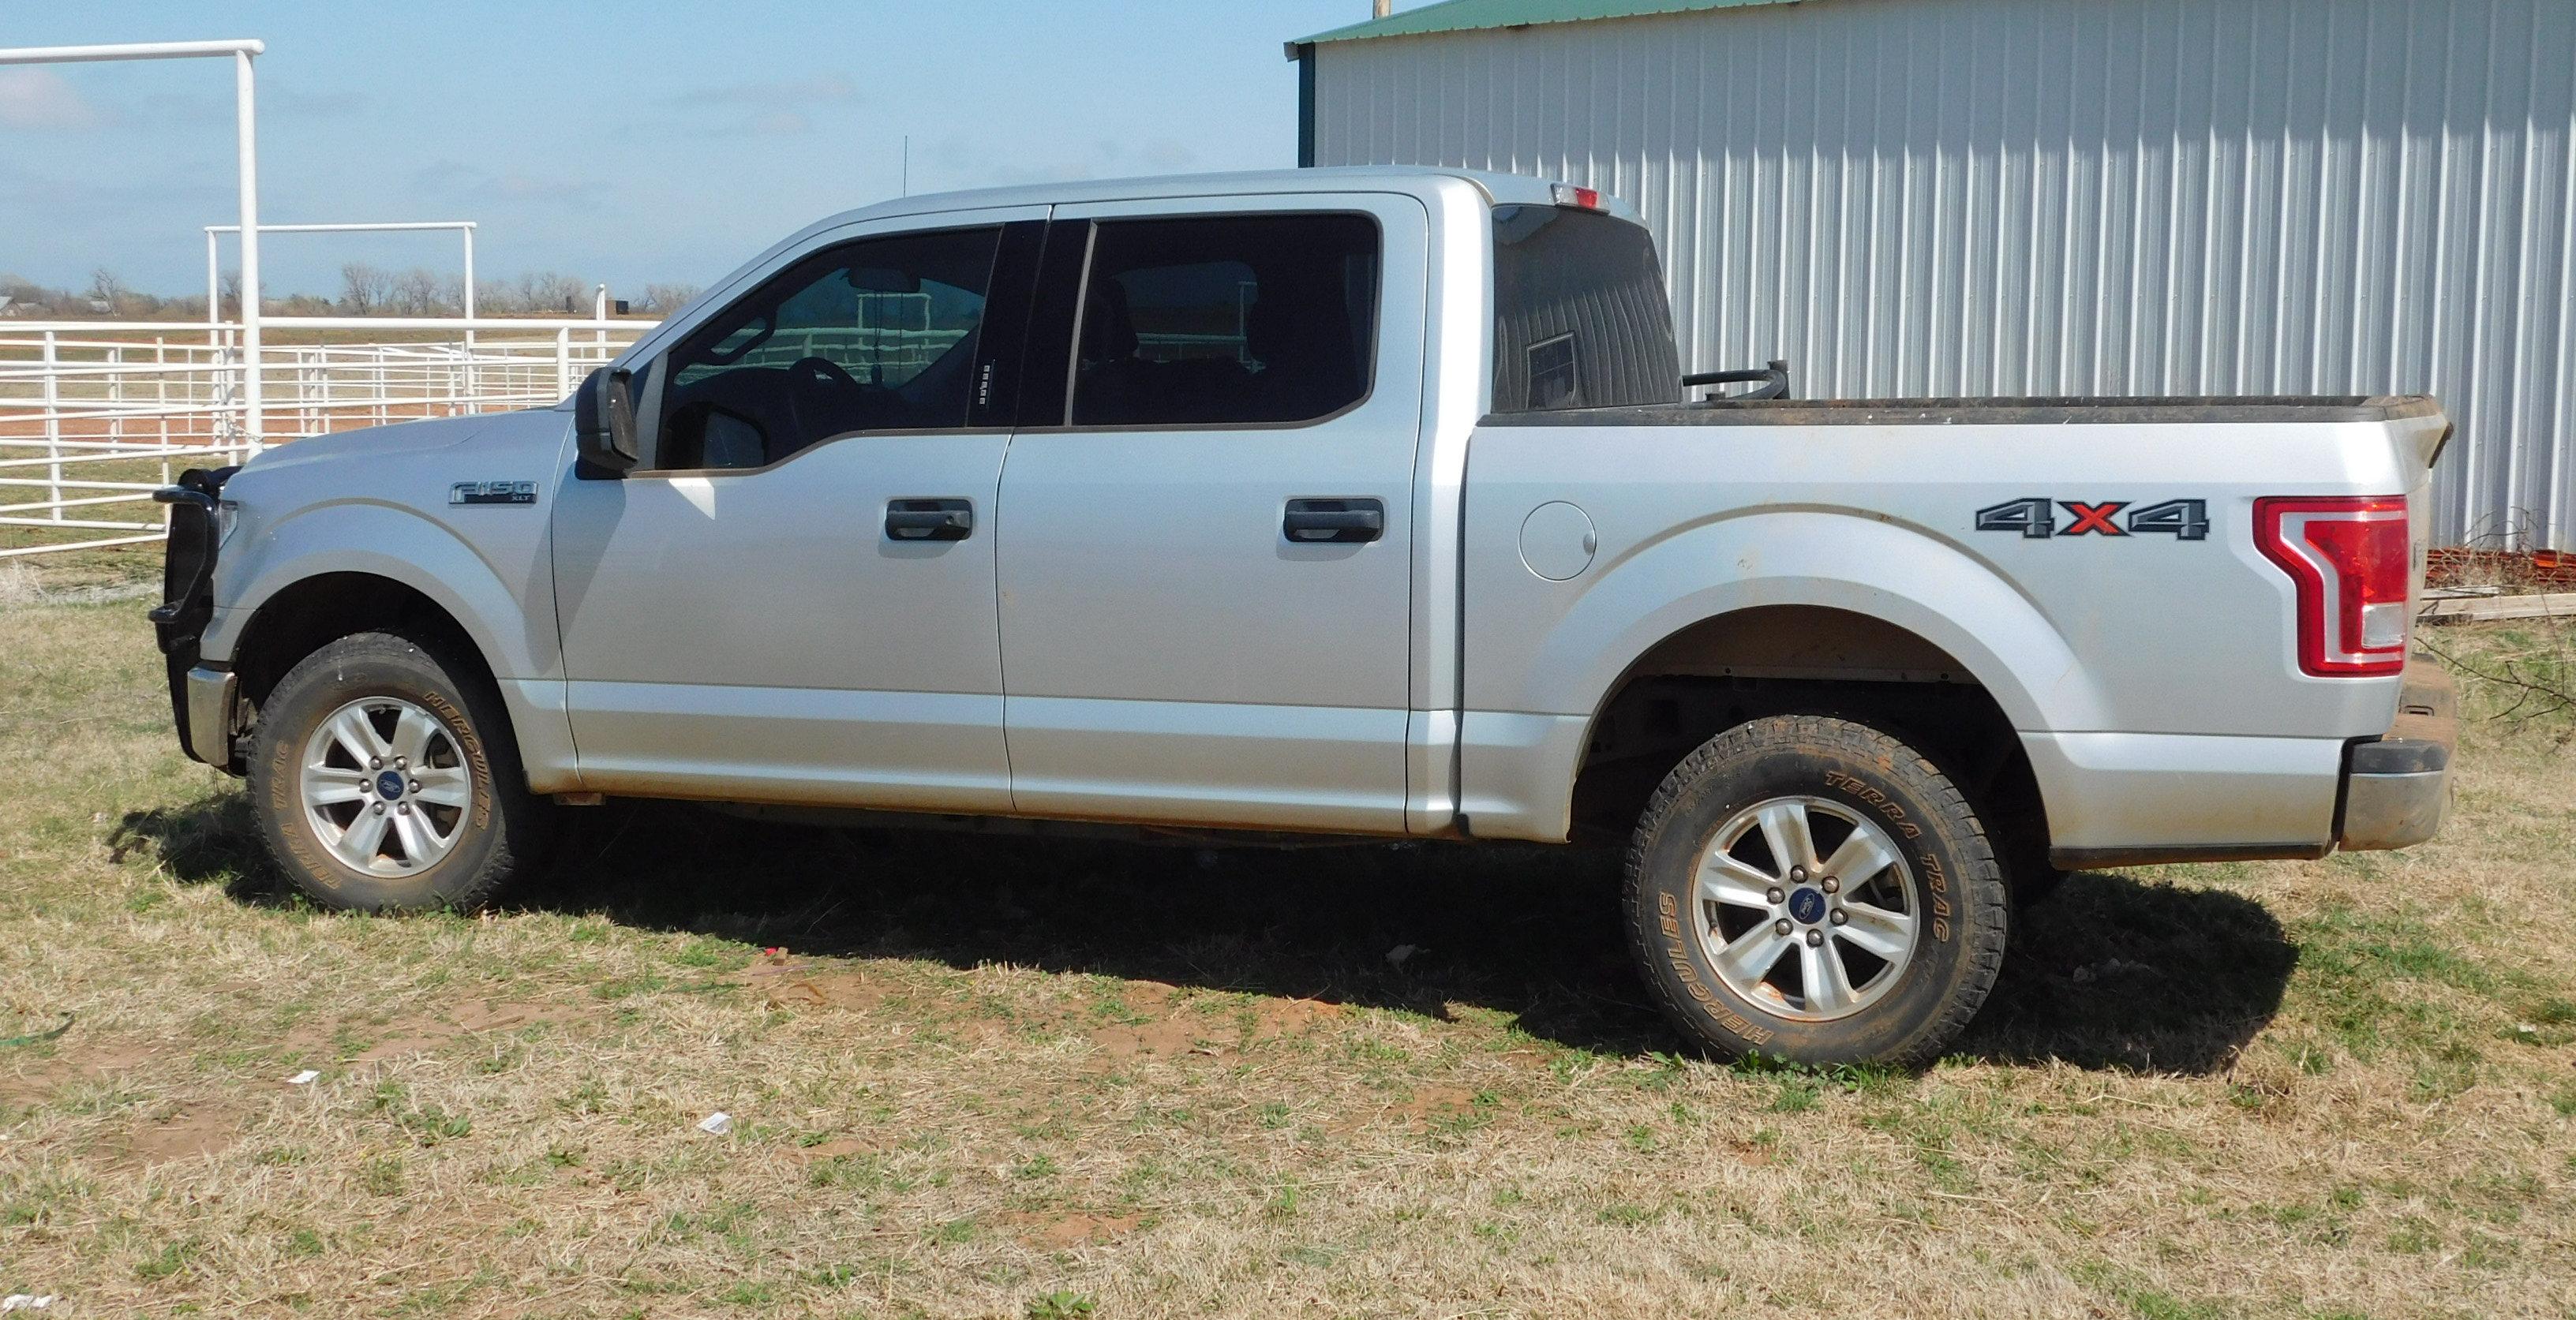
[1809, 888]
[385, 779]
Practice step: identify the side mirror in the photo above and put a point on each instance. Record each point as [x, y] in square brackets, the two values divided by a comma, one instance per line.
[604, 421]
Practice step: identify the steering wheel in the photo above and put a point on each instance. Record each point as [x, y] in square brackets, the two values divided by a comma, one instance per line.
[811, 382]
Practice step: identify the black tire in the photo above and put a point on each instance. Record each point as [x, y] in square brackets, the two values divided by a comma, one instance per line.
[1961, 908]
[500, 831]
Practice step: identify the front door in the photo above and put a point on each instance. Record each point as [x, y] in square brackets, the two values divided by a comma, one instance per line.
[792, 598]
[1206, 560]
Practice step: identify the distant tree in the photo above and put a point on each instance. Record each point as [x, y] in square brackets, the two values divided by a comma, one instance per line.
[664, 299]
[415, 292]
[364, 290]
[550, 293]
[228, 294]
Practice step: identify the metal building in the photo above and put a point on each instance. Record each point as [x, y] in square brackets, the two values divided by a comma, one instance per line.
[2003, 197]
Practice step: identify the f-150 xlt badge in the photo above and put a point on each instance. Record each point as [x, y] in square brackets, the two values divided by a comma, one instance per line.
[492, 492]
[2036, 518]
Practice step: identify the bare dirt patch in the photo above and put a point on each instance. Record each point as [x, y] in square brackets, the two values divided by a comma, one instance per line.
[189, 1130]
[1057, 1232]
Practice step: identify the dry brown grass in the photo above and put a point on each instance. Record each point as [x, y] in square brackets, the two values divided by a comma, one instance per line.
[989, 1078]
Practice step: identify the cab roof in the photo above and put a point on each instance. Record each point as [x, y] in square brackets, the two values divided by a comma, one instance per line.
[1499, 189]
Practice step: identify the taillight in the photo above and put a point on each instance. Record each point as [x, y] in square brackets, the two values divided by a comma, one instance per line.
[2348, 556]
[1569, 195]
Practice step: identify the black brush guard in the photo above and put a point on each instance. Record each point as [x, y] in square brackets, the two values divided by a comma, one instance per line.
[187, 581]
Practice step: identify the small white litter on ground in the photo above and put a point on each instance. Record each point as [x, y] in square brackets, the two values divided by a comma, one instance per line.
[718, 1123]
[304, 1078]
[26, 1302]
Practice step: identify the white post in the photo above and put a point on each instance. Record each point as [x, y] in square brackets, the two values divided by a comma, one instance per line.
[563, 361]
[53, 426]
[214, 288]
[599, 312]
[245, 124]
[161, 405]
[469, 312]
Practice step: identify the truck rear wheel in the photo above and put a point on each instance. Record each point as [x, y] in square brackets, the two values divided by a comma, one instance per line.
[385, 779]
[1809, 888]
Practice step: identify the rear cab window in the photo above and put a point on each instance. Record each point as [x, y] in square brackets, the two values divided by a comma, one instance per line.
[1580, 316]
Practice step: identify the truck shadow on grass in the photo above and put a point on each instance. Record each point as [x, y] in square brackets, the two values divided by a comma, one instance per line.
[2113, 972]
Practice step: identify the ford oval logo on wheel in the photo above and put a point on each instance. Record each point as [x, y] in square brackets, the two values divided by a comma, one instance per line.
[1807, 905]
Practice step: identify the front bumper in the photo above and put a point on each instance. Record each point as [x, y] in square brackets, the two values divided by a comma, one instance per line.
[2397, 787]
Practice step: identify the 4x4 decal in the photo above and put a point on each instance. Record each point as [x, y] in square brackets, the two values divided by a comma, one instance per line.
[2036, 518]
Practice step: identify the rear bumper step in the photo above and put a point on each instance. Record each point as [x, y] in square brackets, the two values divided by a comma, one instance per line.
[2397, 787]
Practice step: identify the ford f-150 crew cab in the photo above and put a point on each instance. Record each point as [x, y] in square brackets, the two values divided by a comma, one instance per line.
[1330, 504]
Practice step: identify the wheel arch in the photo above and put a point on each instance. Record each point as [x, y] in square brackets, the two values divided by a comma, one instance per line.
[1719, 672]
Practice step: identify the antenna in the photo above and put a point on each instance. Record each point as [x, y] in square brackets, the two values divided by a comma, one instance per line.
[907, 164]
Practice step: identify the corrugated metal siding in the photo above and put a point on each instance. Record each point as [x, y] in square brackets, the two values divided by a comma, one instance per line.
[2070, 197]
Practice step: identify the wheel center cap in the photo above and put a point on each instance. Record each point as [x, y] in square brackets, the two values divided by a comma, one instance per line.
[390, 786]
[1807, 905]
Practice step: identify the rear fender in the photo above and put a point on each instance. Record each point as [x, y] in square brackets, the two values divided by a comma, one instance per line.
[1525, 742]
[1844, 561]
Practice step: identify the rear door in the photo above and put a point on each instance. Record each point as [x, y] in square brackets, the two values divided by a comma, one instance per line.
[1205, 538]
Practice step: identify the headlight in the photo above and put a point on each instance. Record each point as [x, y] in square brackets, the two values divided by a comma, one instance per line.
[227, 517]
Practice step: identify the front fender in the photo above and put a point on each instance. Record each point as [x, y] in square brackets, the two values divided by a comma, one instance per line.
[1837, 559]
[497, 586]
[501, 595]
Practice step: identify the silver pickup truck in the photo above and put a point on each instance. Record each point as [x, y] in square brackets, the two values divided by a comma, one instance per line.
[1333, 504]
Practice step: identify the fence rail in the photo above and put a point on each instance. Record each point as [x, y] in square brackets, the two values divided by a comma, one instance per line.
[95, 415]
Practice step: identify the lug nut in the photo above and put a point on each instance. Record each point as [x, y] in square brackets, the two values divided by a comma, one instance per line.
[1779, 928]
[1776, 896]
[1798, 874]
[1832, 885]
[375, 763]
[380, 808]
[1840, 916]
[415, 786]
[1814, 938]
[401, 764]
[404, 808]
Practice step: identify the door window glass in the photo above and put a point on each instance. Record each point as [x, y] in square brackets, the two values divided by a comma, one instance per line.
[876, 335]
[1226, 320]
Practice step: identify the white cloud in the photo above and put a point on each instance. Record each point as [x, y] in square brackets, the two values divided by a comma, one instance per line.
[39, 98]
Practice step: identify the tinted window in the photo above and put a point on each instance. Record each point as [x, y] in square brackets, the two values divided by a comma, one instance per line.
[1580, 319]
[877, 335]
[1227, 320]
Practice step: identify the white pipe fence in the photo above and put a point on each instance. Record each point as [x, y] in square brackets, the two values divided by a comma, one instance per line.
[96, 415]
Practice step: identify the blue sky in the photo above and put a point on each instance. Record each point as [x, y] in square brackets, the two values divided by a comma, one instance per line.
[644, 141]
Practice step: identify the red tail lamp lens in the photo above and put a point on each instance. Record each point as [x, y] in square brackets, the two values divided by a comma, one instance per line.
[2348, 556]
